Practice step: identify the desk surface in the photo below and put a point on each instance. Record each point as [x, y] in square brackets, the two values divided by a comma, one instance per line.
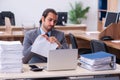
[12, 34]
[67, 27]
[48, 74]
[72, 27]
[89, 36]
[78, 33]
[19, 31]
[76, 30]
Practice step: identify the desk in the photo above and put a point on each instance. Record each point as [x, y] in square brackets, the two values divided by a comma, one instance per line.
[18, 32]
[67, 27]
[81, 35]
[49, 74]
[88, 37]
[83, 40]
[15, 35]
[72, 27]
[14, 28]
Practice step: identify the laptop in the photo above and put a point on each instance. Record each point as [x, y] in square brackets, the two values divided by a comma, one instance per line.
[62, 59]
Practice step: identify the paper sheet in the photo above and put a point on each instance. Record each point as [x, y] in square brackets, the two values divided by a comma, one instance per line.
[116, 41]
[42, 46]
[10, 56]
[92, 32]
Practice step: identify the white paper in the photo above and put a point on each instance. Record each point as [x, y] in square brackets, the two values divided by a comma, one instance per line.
[116, 41]
[1, 32]
[11, 70]
[10, 42]
[42, 46]
[10, 56]
[92, 32]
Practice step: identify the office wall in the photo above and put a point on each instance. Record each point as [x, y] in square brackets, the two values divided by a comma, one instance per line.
[28, 12]
[118, 5]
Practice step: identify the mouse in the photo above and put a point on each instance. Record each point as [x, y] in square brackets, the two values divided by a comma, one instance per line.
[106, 38]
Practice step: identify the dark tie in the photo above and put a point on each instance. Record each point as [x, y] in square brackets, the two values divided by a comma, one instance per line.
[47, 34]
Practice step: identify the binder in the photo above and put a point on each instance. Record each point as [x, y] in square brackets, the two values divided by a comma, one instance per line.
[100, 67]
[98, 61]
[98, 58]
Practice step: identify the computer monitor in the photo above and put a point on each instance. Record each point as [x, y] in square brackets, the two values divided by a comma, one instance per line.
[111, 17]
[62, 18]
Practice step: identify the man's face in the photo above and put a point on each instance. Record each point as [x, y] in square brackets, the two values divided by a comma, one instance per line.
[49, 22]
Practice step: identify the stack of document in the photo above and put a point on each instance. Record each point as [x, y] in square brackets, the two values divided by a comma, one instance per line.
[98, 61]
[10, 56]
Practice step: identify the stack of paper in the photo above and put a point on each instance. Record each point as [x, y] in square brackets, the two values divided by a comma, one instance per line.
[10, 56]
[98, 61]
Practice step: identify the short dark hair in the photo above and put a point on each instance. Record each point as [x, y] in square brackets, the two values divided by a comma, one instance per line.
[48, 10]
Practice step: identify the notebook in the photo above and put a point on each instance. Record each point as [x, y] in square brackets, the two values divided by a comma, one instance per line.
[62, 59]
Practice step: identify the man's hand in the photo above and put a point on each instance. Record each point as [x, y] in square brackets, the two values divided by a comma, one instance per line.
[45, 36]
[52, 39]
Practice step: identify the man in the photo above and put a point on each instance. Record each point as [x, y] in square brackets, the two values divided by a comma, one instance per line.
[48, 21]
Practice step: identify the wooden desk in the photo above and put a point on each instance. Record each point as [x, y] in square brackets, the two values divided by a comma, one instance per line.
[83, 40]
[18, 32]
[14, 28]
[15, 35]
[50, 74]
[88, 37]
[82, 36]
[72, 27]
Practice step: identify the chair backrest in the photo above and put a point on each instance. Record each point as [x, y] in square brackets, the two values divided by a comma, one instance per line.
[97, 45]
[73, 41]
[8, 14]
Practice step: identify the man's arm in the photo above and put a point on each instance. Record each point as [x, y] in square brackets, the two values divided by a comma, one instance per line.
[64, 44]
[59, 39]
[62, 40]
[27, 45]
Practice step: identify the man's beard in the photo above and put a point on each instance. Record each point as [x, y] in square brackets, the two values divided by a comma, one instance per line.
[49, 28]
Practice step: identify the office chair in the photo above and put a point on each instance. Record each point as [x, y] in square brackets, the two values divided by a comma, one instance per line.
[8, 14]
[97, 45]
[75, 46]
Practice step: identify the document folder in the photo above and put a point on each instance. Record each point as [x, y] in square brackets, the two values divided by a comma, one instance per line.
[98, 61]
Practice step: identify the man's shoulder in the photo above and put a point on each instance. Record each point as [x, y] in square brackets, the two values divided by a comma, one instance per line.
[57, 31]
[31, 31]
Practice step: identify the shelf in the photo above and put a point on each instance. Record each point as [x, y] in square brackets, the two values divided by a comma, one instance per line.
[102, 10]
[105, 6]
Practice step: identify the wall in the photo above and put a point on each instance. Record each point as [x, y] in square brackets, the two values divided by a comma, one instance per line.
[119, 8]
[28, 12]
[119, 5]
